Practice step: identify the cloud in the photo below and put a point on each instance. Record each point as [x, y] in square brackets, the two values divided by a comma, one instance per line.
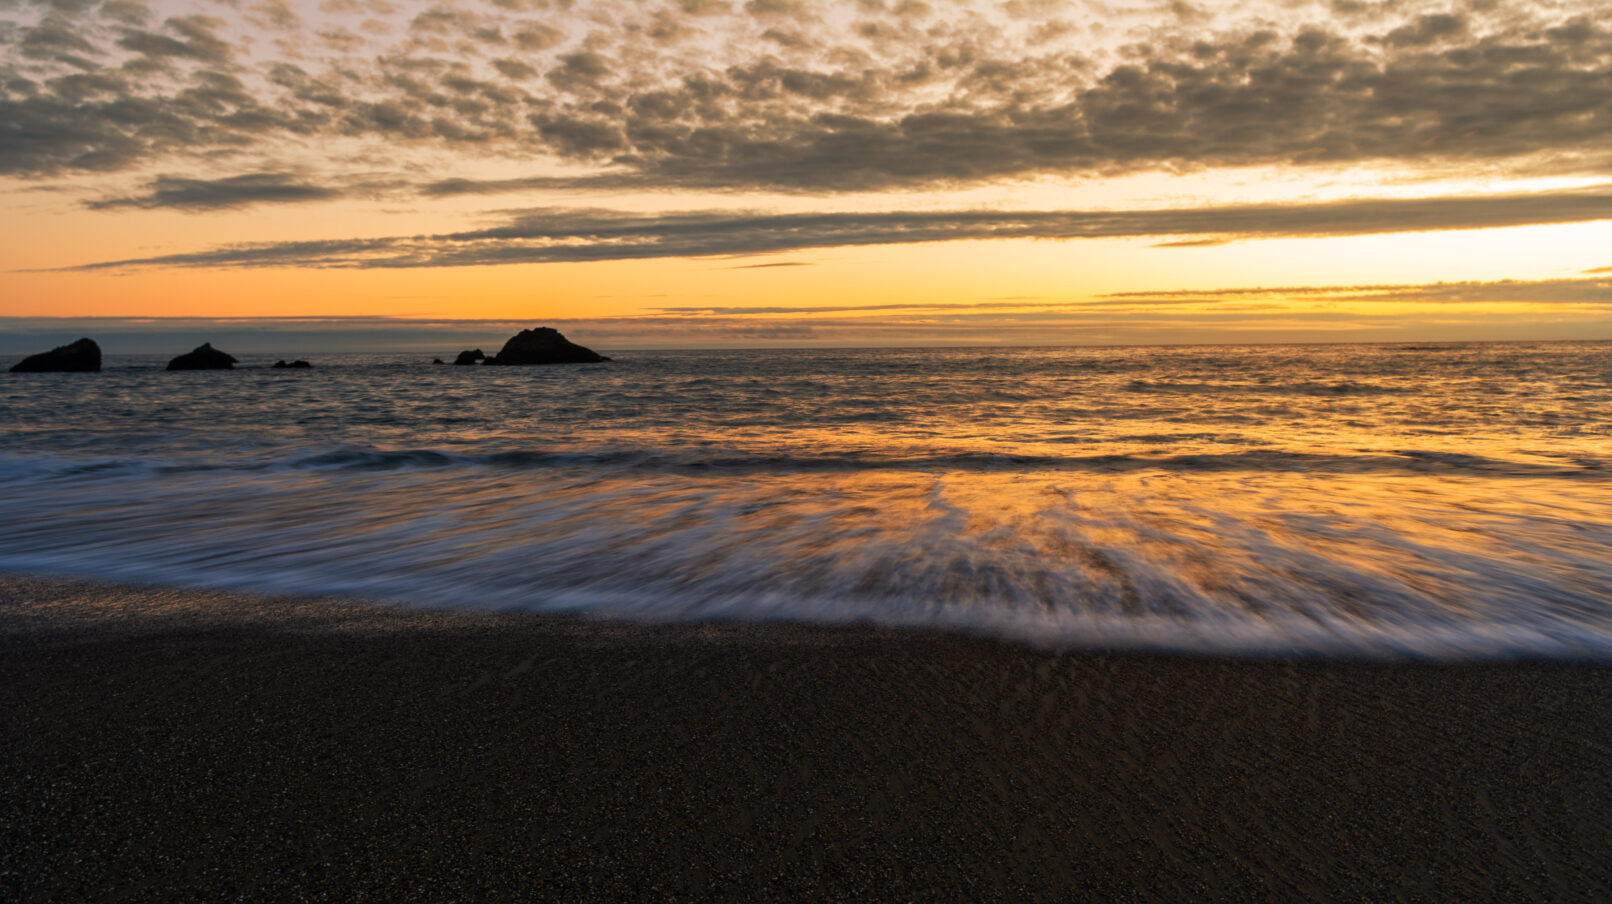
[196, 39]
[55, 38]
[1505, 291]
[557, 235]
[213, 194]
[873, 97]
[1428, 29]
[994, 308]
[597, 182]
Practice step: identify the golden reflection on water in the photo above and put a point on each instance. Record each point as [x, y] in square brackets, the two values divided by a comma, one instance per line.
[1235, 557]
[1349, 499]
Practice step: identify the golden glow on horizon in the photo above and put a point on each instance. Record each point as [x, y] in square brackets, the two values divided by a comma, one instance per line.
[1059, 273]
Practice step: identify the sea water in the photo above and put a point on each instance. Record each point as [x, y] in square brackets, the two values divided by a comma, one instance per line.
[1443, 501]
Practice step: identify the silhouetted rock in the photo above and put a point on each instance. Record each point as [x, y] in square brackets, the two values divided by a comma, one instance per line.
[298, 364]
[79, 357]
[469, 357]
[543, 345]
[204, 357]
[437, 361]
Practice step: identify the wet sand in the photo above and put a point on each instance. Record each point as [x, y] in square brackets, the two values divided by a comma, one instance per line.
[178, 745]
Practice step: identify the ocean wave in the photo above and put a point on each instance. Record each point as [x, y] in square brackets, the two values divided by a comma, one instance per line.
[1215, 562]
[1228, 389]
[26, 468]
[1337, 500]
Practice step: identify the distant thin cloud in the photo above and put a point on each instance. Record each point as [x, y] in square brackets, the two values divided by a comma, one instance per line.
[1549, 291]
[770, 266]
[536, 184]
[956, 307]
[558, 235]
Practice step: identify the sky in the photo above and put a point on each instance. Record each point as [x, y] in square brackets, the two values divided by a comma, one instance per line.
[704, 173]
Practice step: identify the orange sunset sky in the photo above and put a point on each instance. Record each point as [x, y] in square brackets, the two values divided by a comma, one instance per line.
[782, 172]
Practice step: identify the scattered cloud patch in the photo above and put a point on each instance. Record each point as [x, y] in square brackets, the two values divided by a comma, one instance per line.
[214, 194]
[817, 97]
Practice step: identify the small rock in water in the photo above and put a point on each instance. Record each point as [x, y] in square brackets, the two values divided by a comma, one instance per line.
[83, 356]
[436, 361]
[469, 357]
[543, 345]
[204, 357]
[297, 364]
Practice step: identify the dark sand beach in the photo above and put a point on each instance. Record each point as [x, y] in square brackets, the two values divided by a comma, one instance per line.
[178, 745]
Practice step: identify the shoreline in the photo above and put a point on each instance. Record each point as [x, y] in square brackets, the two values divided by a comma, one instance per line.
[200, 745]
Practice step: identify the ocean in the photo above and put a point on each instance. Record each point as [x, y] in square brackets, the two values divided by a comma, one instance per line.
[1441, 501]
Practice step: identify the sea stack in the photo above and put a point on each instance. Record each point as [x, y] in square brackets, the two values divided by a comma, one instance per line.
[298, 364]
[543, 345]
[205, 357]
[469, 356]
[83, 356]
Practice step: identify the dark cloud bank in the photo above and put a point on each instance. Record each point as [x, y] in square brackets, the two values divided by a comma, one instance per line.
[782, 96]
